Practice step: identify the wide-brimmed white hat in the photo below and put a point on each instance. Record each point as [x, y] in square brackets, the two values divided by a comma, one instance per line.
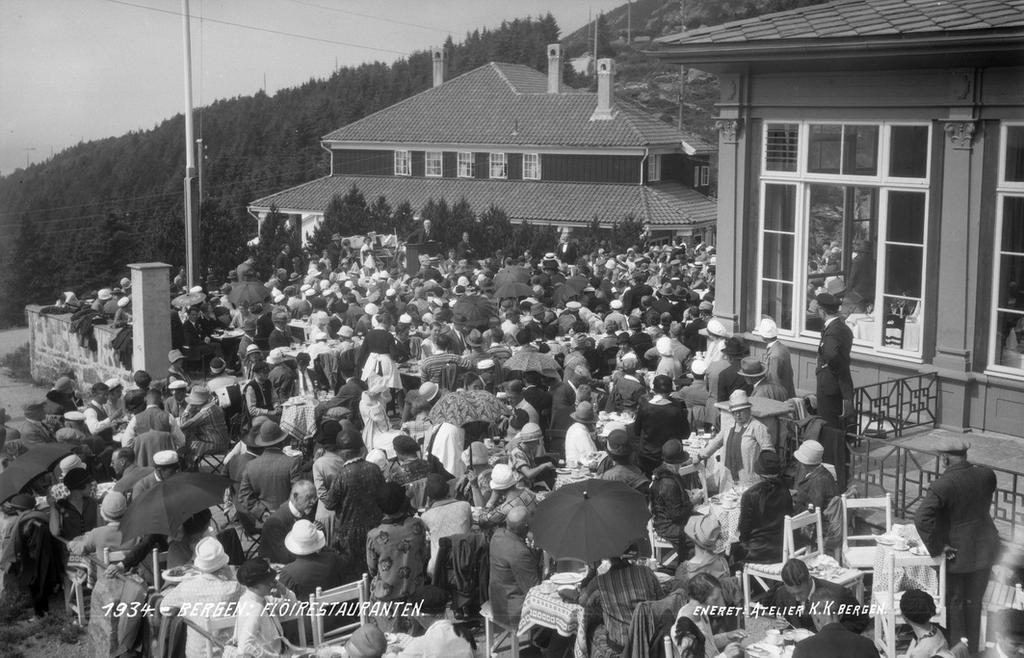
[716, 328]
[664, 346]
[502, 477]
[810, 453]
[209, 555]
[766, 328]
[304, 538]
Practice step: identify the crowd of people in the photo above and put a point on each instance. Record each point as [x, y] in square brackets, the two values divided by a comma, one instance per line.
[383, 486]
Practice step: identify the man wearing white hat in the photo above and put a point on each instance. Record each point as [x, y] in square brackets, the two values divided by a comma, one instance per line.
[281, 375]
[212, 584]
[165, 465]
[312, 565]
[776, 357]
[695, 395]
[815, 485]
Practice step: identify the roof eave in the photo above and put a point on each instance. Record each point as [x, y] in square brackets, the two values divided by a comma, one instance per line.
[718, 56]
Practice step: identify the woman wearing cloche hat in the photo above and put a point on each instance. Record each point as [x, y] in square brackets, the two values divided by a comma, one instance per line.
[815, 485]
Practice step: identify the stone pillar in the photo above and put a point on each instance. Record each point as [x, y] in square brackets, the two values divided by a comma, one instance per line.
[151, 315]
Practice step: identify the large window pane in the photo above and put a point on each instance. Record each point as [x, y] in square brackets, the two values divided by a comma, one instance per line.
[1013, 225]
[825, 237]
[906, 217]
[780, 207]
[778, 256]
[908, 151]
[1011, 278]
[903, 270]
[781, 146]
[1015, 153]
[1010, 339]
[824, 149]
[777, 303]
[860, 150]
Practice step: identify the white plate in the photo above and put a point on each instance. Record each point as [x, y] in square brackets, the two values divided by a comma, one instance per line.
[566, 578]
[885, 540]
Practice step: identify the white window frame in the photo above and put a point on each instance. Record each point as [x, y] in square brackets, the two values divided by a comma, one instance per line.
[438, 158]
[531, 161]
[497, 165]
[705, 175]
[883, 184]
[1004, 190]
[466, 160]
[654, 168]
[403, 163]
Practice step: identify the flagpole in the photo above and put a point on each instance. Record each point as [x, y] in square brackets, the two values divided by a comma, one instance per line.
[191, 229]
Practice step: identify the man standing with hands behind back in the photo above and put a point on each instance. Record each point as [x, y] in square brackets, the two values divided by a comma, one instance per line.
[954, 520]
[835, 383]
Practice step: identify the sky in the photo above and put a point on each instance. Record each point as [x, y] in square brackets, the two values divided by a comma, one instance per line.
[74, 70]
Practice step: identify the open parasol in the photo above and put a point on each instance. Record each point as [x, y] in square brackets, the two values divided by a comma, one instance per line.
[473, 311]
[461, 407]
[27, 467]
[590, 520]
[251, 292]
[188, 300]
[564, 292]
[513, 289]
[163, 508]
[532, 361]
[512, 273]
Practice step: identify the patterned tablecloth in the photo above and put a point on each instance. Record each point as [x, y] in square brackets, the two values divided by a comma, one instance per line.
[729, 519]
[297, 417]
[544, 607]
[906, 577]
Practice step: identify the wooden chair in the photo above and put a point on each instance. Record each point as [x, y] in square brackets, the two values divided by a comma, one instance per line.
[113, 557]
[862, 557]
[790, 550]
[358, 592]
[998, 596]
[158, 561]
[766, 574]
[659, 546]
[885, 601]
[490, 642]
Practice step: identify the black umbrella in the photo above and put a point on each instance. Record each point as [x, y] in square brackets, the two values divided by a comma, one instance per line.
[513, 289]
[473, 311]
[252, 292]
[38, 460]
[163, 508]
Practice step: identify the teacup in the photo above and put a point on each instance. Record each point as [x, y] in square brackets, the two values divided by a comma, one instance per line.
[774, 637]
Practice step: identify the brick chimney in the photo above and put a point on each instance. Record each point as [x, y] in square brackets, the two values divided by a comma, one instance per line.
[437, 56]
[554, 68]
[605, 73]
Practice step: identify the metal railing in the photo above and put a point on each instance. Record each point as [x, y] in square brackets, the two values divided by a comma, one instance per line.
[888, 409]
[907, 473]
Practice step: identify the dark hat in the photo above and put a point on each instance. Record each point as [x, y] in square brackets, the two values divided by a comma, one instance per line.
[255, 571]
[367, 642]
[328, 432]
[350, 440]
[434, 599]
[618, 443]
[295, 277]
[474, 339]
[917, 606]
[77, 478]
[768, 464]
[751, 366]
[405, 445]
[393, 498]
[217, 365]
[827, 300]
[270, 434]
[734, 346]
[23, 502]
[662, 384]
[672, 452]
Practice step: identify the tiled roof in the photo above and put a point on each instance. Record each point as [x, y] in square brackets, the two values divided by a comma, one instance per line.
[862, 18]
[541, 202]
[508, 104]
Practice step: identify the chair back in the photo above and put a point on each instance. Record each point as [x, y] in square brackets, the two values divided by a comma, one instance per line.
[158, 562]
[670, 647]
[113, 557]
[796, 523]
[358, 591]
[850, 503]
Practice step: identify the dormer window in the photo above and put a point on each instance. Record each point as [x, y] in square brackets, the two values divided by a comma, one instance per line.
[403, 163]
[433, 164]
[654, 169]
[499, 165]
[465, 161]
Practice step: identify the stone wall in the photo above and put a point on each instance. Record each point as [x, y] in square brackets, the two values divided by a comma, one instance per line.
[54, 349]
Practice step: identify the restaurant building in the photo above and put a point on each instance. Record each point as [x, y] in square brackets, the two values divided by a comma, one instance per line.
[511, 136]
[878, 146]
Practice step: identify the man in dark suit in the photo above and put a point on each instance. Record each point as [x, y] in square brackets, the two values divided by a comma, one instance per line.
[835, 383]
[954, 520]
[33, 430]
[799, 588]
[267, 480]
[300, 505]
[424, 233]
[833, 638]
[537, 397]
[515, 567]
[563, 405]
[730, 379]
[567, 251]
[126, 470]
